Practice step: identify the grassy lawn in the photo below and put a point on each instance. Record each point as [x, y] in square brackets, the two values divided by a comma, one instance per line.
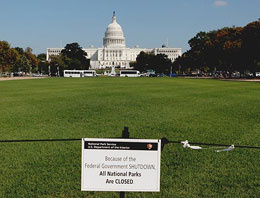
[194, 109]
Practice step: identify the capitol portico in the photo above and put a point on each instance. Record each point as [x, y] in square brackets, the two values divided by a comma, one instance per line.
[114, 52]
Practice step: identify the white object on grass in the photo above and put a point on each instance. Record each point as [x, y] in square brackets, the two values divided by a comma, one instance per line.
[227, 149]
[186, 144]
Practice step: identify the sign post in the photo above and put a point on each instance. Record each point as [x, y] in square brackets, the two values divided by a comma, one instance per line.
[125, 134]
[121, 165]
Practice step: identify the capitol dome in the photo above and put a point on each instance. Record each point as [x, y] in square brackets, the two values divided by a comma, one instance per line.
[114, 36]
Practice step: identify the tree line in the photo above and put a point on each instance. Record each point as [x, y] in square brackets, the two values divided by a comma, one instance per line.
[228, 49]
[71, 57]
[160, 63]
[18, 60]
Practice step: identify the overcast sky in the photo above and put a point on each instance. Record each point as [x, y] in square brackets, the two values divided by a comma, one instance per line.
[149, 23]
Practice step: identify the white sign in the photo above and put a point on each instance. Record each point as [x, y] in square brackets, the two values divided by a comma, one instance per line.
[120, 165]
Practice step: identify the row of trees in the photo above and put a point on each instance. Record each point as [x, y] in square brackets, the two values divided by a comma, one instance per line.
[228, 49]
[19, 60]
[71, 57]
[160, 63]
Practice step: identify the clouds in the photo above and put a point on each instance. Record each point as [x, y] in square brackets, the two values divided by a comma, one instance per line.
[220, 3]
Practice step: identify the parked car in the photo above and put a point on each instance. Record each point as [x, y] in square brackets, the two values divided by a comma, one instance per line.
[143, 75]
[249, 75]
[235, 75]
[173, 75]
[162, 75]
[5, 75]
[37, 75]
[152, 75]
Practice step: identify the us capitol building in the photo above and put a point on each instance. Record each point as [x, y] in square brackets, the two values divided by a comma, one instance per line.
[114, 52]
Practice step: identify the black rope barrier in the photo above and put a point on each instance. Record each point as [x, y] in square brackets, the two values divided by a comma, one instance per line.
[41, 140]
[164, 142]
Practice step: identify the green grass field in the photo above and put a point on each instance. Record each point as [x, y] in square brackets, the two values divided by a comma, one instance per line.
[194, 109]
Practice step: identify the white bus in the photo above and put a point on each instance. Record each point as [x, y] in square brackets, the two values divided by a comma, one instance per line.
[129, 73]
[90, 73]
[257, 74]
[80, 73]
